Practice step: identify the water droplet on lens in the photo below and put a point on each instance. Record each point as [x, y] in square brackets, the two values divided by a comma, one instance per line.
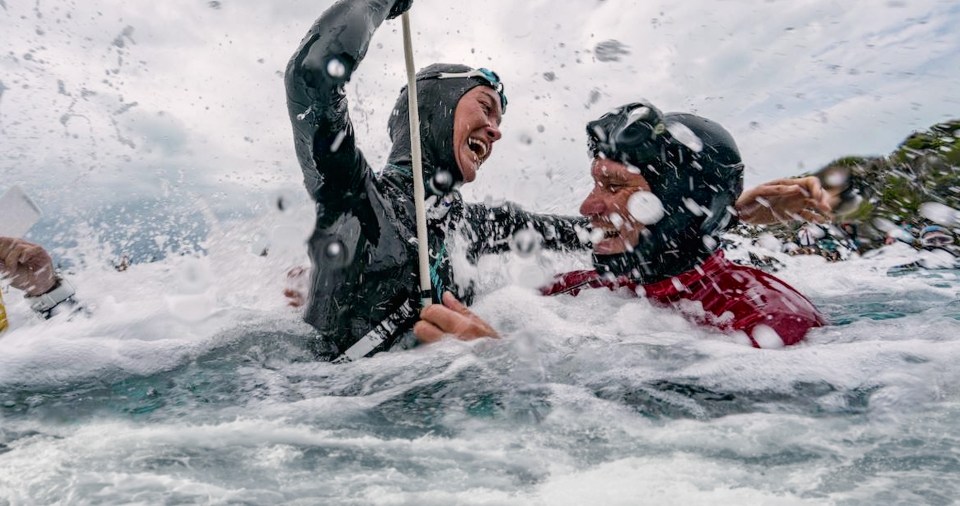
[336, 69]
[709, 242]
[616, 220]
[596, 235]
[645, 207]
[442, 182]
[836, 179]
[685, 136]
[334, 250]
[770, 242]
[526, 243]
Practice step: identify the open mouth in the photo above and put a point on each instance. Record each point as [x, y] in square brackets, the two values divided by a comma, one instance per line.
[608, 232]
[480, 150]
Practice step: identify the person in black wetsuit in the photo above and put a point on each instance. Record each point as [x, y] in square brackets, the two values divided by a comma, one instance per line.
[364, 281]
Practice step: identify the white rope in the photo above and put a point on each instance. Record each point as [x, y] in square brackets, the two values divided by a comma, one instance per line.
[418, 192]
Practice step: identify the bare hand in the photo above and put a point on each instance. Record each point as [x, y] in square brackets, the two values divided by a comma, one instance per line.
[785, 200]
[450, 318]
[28, 266]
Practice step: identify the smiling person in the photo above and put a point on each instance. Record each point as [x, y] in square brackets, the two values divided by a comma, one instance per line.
[364, 285]
[665, 188]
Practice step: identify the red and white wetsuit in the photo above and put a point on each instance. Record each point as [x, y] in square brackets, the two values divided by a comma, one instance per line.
[740, 298]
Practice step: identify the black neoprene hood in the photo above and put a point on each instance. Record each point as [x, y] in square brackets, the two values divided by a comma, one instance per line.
[692, 165]
[438, 99]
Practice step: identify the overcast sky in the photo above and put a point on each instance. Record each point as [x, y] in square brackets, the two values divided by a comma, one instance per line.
[108, 100]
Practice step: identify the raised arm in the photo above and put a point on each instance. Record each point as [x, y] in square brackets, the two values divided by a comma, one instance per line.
[316, 101]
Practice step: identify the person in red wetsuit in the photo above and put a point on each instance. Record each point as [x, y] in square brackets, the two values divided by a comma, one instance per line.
[768, 311]
[666, 187]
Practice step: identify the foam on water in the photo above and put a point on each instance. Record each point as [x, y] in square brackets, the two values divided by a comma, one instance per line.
[602, 398]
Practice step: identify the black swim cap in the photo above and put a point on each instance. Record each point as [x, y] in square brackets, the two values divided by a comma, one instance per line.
[438, 98]
[692, 165]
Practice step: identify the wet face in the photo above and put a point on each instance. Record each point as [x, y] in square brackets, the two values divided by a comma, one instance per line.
[476, 126]
[608, 209]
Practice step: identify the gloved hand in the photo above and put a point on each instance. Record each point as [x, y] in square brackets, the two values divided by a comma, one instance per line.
[28, 266]
[399, 8]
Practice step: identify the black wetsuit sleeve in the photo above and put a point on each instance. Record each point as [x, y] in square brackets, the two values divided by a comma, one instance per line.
[496, 226]
[316, 102]
[353, 216]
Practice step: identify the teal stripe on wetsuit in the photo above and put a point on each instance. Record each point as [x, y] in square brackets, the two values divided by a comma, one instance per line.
[436, 279]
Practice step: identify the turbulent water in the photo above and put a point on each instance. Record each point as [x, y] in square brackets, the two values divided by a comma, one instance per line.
[190, 382]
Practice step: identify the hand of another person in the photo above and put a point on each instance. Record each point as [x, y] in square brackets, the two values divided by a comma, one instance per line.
[450, 318]
[298, 284]
[785, 200]
[399, 8]
[27, 266]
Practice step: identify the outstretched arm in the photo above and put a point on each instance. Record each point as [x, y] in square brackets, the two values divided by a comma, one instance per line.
[785, 200]
[498, 228]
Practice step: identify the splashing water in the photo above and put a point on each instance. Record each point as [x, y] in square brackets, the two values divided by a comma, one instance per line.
[940, 213]
[685, 136]
[526, 243]
[610, 393]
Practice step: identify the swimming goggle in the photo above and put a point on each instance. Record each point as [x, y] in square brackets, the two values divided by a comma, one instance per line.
[936, 239]
[487, 75]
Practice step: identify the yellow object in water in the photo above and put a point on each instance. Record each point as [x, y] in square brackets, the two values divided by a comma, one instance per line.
[3, 315]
